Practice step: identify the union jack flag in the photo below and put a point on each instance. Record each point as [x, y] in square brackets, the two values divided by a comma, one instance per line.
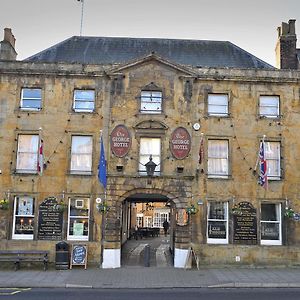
[263, 176]
[201, 151]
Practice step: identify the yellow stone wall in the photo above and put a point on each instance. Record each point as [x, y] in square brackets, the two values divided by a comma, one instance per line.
[243, 128]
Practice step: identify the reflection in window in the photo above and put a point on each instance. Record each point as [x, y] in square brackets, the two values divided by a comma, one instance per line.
[84, 100]
[23, 222]
[31, 99]
[78, 225]
[217, 105]
[217, 223]
[149, 146]
[269, 106]
[270, 224]
[151, 102]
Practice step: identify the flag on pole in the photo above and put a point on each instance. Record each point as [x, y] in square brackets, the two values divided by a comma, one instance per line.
[102, 165]
[263, 176]
[40, 161]
[201, 151]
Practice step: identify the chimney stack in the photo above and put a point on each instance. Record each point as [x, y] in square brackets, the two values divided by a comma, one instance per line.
[286, 52]
[7, 46]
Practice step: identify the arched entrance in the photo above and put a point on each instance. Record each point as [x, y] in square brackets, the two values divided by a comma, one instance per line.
[147, 230]
[120, 221]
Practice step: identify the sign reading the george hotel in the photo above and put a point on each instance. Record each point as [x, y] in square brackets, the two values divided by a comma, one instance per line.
[50, 220]
[180, 143]
[245, 224]
[120, 141]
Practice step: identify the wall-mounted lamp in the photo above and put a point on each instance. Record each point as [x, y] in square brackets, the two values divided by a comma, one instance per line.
[150, 166]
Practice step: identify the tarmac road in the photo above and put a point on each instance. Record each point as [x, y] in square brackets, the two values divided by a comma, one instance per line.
[147, 294]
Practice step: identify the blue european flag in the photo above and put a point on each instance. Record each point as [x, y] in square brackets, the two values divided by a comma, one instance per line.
[102, 165]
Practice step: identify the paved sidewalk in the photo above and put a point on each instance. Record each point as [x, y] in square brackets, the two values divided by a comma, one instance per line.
[139, 277]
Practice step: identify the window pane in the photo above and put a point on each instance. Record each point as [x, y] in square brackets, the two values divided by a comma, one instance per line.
[269, 106]
[217, 210]
[23, 223]
[84, 100]
[30, 103]
[269, 212]
[151, 101]
[27, 153]
[218, 157]
[270, 231]
[217, 230]
[217, 104]
[78, 227]
[32, 93]
[149, 146]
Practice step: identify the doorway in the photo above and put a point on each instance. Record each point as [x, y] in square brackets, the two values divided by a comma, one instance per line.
[144, 240]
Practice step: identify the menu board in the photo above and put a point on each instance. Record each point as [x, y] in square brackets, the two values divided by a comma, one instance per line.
[79, 256]
[50, 220]
[245, 224]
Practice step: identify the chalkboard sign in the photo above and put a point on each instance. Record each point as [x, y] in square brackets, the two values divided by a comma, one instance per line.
[245, 224]
[50, 220]
[79, 256]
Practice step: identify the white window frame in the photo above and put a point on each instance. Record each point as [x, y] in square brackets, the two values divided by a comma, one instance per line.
[18, 236]
[273, 158]
[22, 154]
[275, 105]
[73, 166]
[279, 222]
[217, 240]
[211, 157]
[152, 147]
[218, 105]
[72, 237]
[79, 100]
[159, 217]
[24, 99]
[139, 220]
[150, 99]
[148, 221]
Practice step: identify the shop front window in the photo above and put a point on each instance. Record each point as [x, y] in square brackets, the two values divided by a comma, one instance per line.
[270, 224]
[78, 223]
[23, 222]
[217, 223]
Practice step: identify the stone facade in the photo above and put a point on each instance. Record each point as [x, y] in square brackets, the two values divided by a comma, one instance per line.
[182, 182]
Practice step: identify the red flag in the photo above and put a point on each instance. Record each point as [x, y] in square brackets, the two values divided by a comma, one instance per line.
[40, 162]
[201, 151]
[263, 175]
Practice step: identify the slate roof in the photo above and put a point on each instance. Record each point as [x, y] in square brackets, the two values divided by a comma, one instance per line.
[118, 50]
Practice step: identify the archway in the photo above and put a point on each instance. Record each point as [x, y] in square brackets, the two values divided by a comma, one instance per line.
[147, 230]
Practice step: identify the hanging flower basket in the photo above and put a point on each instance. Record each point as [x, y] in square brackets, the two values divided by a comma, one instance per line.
[192, 209]
[61, 206]
[289, 213]
[4, 205]
[236, 210]
[103, 207]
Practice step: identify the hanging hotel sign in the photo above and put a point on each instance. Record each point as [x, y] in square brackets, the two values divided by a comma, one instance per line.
[180, 143]
[120, 141]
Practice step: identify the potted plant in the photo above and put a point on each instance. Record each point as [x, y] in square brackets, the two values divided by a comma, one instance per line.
[4, 204]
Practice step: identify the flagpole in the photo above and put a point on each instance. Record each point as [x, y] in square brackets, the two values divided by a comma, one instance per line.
[81, 21]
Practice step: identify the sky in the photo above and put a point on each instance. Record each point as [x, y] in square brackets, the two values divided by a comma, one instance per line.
[249, 24]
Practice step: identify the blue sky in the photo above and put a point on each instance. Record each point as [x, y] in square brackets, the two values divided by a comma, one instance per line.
[251, 25]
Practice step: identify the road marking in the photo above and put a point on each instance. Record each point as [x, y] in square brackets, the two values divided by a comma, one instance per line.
[12, 291]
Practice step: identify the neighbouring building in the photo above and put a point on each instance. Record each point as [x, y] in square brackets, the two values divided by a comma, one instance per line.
[201, 111]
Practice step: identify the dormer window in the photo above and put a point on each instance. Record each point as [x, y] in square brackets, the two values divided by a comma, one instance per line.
[151, 102]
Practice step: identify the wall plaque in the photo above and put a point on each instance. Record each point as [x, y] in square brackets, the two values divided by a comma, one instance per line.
[180, 143]
[50, 220]
[182, 217]
[120, 141]
[245, 224]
